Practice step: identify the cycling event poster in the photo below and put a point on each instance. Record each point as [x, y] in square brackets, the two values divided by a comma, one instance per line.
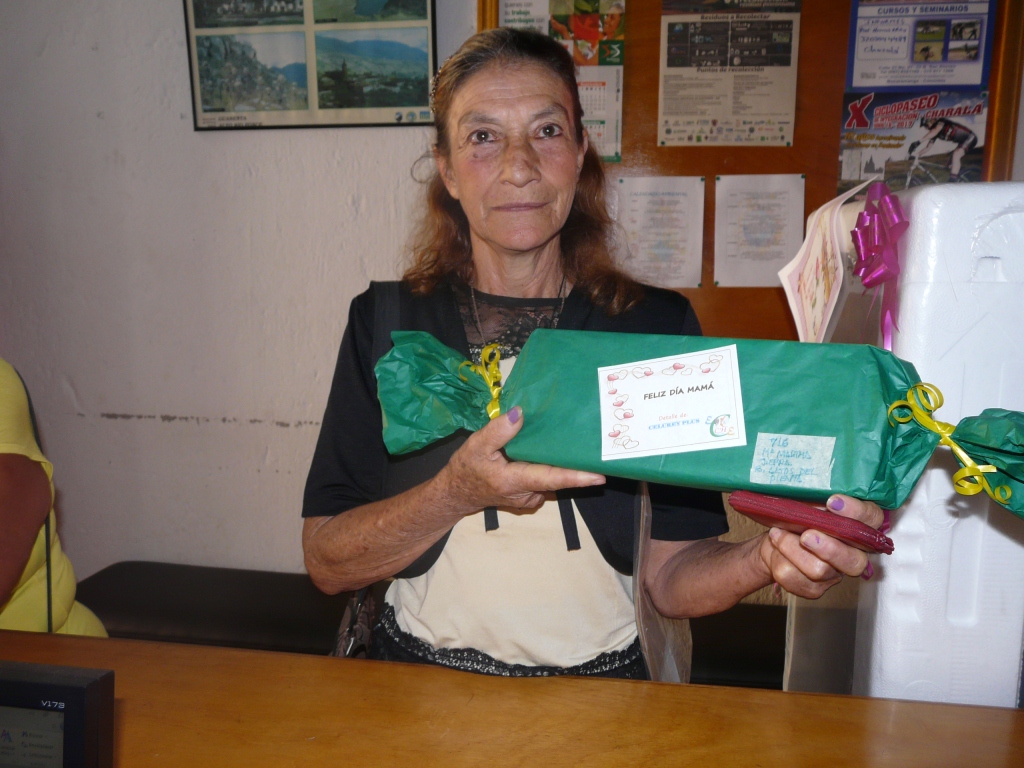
[912, 138]
[916, 98]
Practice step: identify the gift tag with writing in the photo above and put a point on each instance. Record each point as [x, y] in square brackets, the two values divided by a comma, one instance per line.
[689, 402]
[804, 461]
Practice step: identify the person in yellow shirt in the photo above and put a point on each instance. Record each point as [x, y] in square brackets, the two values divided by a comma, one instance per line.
[37, 593]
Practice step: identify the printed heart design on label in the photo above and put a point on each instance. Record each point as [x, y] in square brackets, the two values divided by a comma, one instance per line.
[614, 433]
[629, 443]
[711, 364]
[621, 440]
[618, 376]
[641, 372]
[623, 413]
[620, 400]
[621, 427]
[683, 370]
[612, 391]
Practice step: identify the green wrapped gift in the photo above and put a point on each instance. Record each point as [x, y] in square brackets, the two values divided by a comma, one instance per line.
[777, 417]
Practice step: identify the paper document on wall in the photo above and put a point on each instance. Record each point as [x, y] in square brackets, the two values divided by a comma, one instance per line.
[727, 72]
[663, 219]
[759, 226]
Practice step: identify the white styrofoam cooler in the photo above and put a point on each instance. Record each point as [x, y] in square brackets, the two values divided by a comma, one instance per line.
[944, 618]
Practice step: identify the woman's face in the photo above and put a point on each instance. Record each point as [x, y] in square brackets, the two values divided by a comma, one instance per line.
[514, 159]
[611, 23]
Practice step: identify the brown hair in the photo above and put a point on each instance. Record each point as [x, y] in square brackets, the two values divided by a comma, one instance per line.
[442, 245]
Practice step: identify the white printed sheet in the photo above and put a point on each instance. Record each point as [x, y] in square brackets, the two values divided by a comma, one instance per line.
[663, 219]
[759, 226]
[676, 404]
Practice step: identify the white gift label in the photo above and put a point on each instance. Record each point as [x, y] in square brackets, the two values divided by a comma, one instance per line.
[689, 402]
[804, 461]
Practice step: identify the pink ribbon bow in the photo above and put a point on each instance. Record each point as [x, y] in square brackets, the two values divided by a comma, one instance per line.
[878, 228]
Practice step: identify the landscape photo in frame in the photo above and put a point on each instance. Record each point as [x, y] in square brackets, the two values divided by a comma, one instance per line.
[335, 11]
[303, 63]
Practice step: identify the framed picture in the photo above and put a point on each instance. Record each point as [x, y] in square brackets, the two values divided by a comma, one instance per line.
[299, 63]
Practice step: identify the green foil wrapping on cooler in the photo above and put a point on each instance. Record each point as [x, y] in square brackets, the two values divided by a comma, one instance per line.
[427, 391]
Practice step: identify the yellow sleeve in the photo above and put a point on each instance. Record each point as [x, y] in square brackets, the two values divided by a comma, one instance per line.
[16, 434]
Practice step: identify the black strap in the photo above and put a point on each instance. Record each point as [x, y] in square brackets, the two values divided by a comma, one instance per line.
[46, 525]
[490, 518]
[572, 534]
[49, 577]
[386, 317]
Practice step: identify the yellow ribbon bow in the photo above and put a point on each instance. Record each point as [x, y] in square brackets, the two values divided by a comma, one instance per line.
[922, 400]
[488, 369]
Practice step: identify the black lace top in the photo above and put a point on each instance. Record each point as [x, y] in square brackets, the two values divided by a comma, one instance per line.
[503, 320]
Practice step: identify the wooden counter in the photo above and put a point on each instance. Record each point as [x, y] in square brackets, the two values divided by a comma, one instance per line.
[180, 705]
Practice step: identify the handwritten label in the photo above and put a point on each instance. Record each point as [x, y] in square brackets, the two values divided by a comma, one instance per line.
[804, 461]
[883, 39]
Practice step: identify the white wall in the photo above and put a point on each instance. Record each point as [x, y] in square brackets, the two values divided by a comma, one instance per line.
[175, 299]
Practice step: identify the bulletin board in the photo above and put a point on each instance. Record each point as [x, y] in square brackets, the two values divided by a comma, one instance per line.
[763, 312]
[824, 29]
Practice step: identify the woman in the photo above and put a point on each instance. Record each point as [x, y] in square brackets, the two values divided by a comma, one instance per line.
[612, 27]
[515, 237]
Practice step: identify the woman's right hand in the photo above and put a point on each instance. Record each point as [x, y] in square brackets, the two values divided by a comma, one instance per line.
[479, 475]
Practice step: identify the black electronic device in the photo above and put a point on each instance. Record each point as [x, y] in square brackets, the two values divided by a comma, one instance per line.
[55, 717]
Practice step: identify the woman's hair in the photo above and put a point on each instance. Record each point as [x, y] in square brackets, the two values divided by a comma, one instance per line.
[441, 244]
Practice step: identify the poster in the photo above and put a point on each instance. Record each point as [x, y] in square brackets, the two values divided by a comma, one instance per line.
[916, 100]
[901, 45]
[924, 137]
[663, 220]
[275, 63]
[759, 226]
[727, 72]
[594, 32]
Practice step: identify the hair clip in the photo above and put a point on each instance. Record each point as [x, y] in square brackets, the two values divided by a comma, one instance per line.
[437, 75]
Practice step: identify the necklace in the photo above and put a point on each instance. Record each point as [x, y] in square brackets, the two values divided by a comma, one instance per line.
[554, 320]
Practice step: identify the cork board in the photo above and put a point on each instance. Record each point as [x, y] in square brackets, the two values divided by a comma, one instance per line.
[824, 26]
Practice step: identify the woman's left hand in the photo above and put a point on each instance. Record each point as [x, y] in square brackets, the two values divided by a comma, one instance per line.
[808, 564]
